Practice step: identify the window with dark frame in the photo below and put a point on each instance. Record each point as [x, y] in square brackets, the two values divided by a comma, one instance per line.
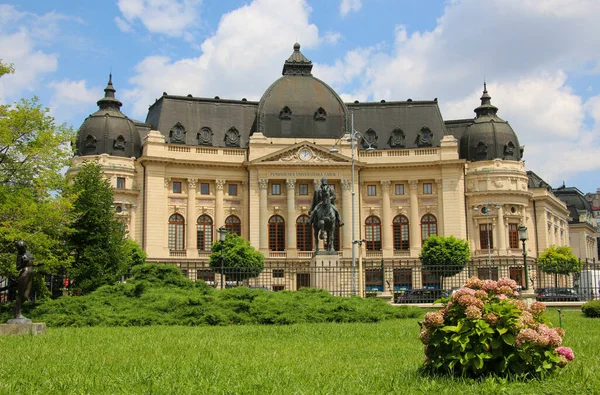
[176, 233]
[233, 225]
[428, 226]
[276, 233]
[176, 186]
[513, 236]
[278, 273]
[486, 236]
[206, 275]
[204, 188]
[427, 189]
[275, 189]
[232, 190]
[399, 189]
[373, 233]
[278, 287]
[371, 190]
[401, 241]
[120, 182]
[402, 279]
[304, 238]
[488, 273]
[374, 279]
[303, 189]
[204, 236]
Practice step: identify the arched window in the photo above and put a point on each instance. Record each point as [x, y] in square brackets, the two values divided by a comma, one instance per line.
[233, 225]
[428, 226]
[304, 233]
[373, 233]
[276, 233]
[204, 233]
[401, 240]
[176, 233]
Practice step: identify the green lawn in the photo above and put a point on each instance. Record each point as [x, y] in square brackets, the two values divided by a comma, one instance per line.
[304, 359]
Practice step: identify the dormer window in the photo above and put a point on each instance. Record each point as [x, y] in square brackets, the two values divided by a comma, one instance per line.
[369, 139]
[177, 134]
[119, 143]
[425, 137]
[285, 113]
[397, 138]
[90, 141]
[320, 114]
[481, 152]
[205, 136]
[232, 137]
[509, 150]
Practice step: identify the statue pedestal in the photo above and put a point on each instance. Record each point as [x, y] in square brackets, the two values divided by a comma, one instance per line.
[32, 328]
[326, 273]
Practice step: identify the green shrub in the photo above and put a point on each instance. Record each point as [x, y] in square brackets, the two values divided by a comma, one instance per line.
[591, 308]
[483, 329]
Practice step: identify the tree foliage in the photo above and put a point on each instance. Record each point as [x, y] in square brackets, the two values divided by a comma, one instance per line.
[101, 253]
[33, 151]
[447, 255]
[559, 260]
[239, 261]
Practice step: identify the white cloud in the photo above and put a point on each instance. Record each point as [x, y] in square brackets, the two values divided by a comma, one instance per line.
[72, 97]
[170, 17]
[526, 48]
[331, 37]
[241, 59]
[20, 34]
[347, 6]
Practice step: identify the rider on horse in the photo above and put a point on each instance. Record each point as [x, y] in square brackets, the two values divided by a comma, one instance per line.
[318, 201]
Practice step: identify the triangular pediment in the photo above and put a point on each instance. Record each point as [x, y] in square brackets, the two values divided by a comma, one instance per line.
[303, 153]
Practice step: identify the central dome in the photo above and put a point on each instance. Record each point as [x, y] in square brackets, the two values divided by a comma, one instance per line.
[299, 105]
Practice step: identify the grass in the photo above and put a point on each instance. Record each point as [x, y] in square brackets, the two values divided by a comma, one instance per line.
[325, 358]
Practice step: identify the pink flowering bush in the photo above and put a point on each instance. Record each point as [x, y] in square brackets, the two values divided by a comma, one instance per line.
[483, 329]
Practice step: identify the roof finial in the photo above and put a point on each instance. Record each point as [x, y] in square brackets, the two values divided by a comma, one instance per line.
[484, 85]
[109, 99]
[110, 78]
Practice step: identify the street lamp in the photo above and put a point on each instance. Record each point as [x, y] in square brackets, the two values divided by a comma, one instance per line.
[485, 210]
[222, 236]
[361, 285]
[354, 134]
[523, 237]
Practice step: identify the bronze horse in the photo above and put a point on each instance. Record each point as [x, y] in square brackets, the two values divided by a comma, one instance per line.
[324, 225]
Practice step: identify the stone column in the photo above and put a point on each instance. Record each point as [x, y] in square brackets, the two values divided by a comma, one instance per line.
[439, 186]
[347, 214]
[386, 221]
[219, 210]
[502, 231]
[132, 224]
[291, 217]
[191, 220]
[263, 184]
[415, 221]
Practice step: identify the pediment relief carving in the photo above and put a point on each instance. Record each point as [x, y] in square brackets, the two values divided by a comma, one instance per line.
[303, 154]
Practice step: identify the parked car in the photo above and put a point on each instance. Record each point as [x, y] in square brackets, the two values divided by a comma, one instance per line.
[557, 294]
[421, 295]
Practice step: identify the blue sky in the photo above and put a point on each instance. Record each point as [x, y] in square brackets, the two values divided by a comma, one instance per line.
[540, 59]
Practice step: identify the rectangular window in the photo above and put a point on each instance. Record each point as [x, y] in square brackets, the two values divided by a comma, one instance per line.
[120, 182]
[303, 189]
[204, 188]
[488, 273]
[399, 189]
[371, 190]
[402, 279]
[232, 189]
[278, 273]
[513, 236]
[206, 275]
[486, 239]
[516, 273]
[185, 272]
[427, 188]
[374, 280]
[275, 189]
[278, 288]
[176, 186]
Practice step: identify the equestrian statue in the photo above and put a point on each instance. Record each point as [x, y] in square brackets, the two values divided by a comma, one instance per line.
[324, 215]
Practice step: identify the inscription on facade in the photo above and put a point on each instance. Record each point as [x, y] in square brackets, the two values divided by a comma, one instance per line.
[303, 174]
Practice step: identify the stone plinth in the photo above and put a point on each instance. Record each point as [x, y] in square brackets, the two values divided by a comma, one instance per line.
[326, 274]
[34, 329]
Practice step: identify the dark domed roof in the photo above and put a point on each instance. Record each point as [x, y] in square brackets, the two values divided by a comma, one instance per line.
[574, 199]
[108, 130]
[300, 105]
[489, 136]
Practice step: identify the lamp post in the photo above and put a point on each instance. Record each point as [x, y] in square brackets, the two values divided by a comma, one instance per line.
[354, 134]
[485, 210]
[222, 236]
[361, 285]
[523, 237]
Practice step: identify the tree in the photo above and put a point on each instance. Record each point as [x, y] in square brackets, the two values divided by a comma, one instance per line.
[445, 256]
[33, 151]
[239, 260]
[101, 252]
[558, 260]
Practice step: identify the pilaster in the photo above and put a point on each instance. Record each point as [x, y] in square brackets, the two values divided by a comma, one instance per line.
[291, 218]
[415, 221]
[263, 184]
[387, 243]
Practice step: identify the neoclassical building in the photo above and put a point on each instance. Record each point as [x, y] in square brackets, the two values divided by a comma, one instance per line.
[197, 164]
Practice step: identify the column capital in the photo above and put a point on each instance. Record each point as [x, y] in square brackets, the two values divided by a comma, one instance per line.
[220, 183]
[438, 181]
[385, 185]
[192, 182]
[346, 184]
[167, 181]
[291, 183]
[263, 183]
[412, 184]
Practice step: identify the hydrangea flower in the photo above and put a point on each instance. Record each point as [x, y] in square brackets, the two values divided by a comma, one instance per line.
[473, 313]
[566, 352]
[433, 319]
[537, 308]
